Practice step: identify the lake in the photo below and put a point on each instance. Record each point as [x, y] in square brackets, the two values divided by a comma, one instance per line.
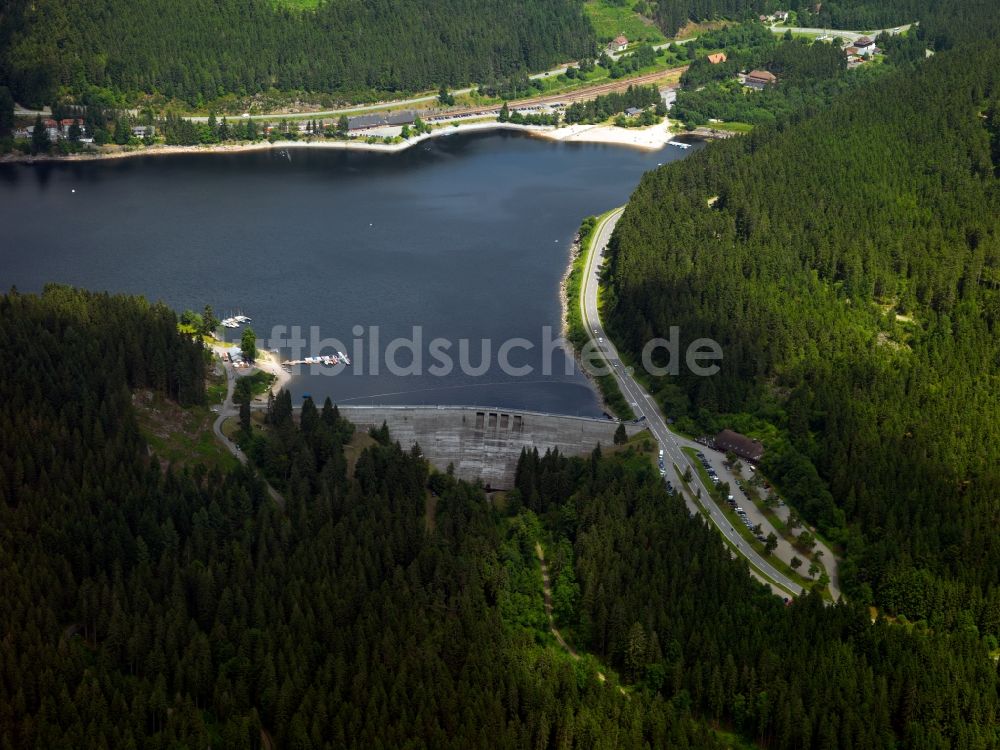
[463, 237]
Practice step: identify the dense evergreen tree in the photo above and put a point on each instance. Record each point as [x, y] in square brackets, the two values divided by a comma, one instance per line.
[653, 591]
[148, 606]
[602, 107]
[145, 606]
[6, 112]
[197, 51]
[847, 262]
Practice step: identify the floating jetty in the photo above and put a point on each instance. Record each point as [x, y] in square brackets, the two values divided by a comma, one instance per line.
[326, 361]
[235, 321]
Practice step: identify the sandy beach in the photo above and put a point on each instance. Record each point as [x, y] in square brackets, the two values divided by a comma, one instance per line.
[266, 361]
[269, 362]
[651, 138]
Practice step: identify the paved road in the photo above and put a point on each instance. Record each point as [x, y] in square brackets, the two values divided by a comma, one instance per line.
[227, 409]
[424, 98]
[784, 551]
[644, 406]
[844, 34]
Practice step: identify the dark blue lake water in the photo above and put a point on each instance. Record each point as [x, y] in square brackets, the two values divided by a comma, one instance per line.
[463, 237]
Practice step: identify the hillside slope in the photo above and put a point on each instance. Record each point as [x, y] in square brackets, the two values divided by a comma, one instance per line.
[197, 51]
[849, 265]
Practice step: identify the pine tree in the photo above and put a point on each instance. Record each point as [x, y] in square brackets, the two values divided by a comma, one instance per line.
[40, 142]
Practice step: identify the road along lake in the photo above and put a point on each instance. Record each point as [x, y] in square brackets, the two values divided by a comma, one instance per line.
[464, 237]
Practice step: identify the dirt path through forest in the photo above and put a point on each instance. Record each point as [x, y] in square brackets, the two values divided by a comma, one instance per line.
[547, 594]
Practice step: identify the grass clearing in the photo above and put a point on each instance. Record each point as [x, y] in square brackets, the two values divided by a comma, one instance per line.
[733, 741]
[360, 441]
[180, 435]
[733, 127]
[216, 393]
[257, 384]
[611, 19]
[297, 4]
[692, 28]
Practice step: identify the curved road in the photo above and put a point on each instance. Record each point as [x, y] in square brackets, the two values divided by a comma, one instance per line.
[643, 405]
[227, 409]
[842, 33]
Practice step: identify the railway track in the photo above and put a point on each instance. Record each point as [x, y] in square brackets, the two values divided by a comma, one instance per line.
[569, 96]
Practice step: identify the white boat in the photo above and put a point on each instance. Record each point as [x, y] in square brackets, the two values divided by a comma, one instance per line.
[343, 358]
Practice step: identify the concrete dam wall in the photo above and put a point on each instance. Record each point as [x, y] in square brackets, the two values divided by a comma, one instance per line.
[485, 443]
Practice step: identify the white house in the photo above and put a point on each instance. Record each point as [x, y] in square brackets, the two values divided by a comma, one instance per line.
[619, 44]
[865, 46]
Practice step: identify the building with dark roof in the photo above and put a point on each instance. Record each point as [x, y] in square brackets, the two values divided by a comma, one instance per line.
[865, 46]
[401, 117]
[360, 122]
[744, 447]
[382, 119]
[760, 79]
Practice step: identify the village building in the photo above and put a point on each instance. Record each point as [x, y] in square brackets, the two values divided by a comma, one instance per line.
[760, 79]
[619, 44]
[865, 46]
[399, 117]
[142, 131]
[779, 16]
[744, 447]
[52, 128]
[717, 57]
[361, 122]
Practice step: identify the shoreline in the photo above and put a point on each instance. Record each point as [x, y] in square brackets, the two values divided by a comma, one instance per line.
[269, 363]
[576, 250]
[266, 362]
[652, 138]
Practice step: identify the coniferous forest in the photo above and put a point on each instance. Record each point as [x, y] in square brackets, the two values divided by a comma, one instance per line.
[111, 52]
[196, 51]
[339, 592]
[383, 605]
[848, 262]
